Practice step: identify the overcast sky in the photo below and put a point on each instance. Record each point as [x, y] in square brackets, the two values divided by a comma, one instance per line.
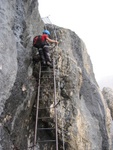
[92, 21]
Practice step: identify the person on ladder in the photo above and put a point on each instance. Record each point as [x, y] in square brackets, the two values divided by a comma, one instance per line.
[42, 43]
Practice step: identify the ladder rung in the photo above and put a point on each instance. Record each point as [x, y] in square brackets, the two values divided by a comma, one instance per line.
[46, 108]
[44, 117]
[46, 141]
[45, 128]
[45, 92]
[47, 71]
[47, 86]
[46, 78]
[43, 85]
[42, 99]
[49, 78]
[51, 91]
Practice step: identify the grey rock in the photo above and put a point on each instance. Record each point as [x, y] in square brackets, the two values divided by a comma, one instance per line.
[17, 85]
[108, 95]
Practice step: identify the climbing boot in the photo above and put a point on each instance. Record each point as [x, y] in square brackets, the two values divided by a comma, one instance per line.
[49, 64]
[43, 63]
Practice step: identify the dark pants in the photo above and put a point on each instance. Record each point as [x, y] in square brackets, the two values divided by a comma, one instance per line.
[44, 54]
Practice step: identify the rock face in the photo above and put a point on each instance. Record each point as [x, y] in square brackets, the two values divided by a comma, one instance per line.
[85, 112]
[108, 96]
[17, 85]
[85, 115]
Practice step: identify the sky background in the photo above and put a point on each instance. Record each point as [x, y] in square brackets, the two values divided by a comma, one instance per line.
[92, 21]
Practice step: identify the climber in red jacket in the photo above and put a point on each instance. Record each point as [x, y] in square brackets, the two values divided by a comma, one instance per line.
[43, 46]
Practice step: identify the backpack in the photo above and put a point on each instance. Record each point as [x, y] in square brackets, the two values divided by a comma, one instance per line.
[37, 41]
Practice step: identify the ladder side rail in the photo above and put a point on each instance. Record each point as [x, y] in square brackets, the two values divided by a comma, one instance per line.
[55, 102]
[63, 141]
[36, 123]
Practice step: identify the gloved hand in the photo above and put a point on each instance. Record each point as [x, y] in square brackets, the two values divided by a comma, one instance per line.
[56, 42]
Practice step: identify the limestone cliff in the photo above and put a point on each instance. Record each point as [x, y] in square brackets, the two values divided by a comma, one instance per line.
[19, 22]
[86, 116]
[108, 96]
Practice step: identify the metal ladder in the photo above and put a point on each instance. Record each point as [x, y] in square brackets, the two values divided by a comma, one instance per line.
[47, 76]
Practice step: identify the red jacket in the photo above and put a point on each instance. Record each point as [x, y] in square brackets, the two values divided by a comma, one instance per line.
[44, 37]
